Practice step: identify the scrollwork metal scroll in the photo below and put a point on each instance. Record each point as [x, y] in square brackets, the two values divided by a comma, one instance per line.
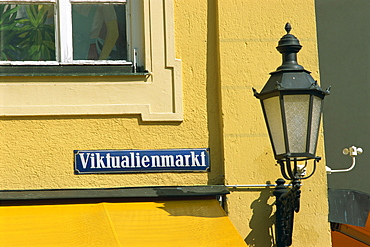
[287, 203]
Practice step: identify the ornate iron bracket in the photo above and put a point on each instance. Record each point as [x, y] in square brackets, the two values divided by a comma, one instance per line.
[291, 171]
[287, 203]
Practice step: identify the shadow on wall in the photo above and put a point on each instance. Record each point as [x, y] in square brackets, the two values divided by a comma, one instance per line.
[261, 222]
[214, 118]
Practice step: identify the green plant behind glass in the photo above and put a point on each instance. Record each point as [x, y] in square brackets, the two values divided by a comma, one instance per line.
[37, 40]
[8, 31]
[26, 38]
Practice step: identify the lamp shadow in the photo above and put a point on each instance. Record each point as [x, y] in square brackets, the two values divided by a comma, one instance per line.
[262, 221]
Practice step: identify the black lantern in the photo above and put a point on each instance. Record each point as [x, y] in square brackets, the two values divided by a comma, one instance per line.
[292, 104]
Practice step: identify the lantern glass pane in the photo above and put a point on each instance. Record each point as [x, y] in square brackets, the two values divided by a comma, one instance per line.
[296, 114]
[275, 124]
[315, 124]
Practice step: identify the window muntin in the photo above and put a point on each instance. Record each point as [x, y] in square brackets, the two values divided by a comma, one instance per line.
[64, 32]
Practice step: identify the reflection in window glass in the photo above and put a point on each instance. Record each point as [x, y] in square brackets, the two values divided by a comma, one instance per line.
[99, 32]
[27, 32]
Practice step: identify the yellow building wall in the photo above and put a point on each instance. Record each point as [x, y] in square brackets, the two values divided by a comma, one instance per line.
[226, 48]
[37, 152]
[248, 34]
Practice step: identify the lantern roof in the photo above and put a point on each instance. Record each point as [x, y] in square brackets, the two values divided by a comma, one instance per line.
[290, 75]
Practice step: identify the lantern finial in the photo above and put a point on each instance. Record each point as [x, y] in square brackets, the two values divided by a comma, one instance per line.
[289, 46]
[288, 27]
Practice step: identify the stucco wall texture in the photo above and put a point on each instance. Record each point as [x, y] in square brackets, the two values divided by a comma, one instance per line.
[226, 47]
[248, 34]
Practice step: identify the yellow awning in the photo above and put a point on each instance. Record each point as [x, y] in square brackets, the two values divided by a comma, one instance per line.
[167, 223]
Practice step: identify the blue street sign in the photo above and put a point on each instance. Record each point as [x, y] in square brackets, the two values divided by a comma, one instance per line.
[129, 161]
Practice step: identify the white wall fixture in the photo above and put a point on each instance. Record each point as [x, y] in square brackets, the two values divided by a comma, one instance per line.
[351, 151]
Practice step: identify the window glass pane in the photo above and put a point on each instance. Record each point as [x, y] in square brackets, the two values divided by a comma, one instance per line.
[27, 32]
[296, 116]
[99, 32]
[275, 123]
[315, 124]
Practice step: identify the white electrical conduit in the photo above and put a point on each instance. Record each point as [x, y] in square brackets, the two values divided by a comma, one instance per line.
[351, 151]
[329, 171]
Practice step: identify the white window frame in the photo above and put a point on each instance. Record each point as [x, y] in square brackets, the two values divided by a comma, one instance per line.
[155, 95]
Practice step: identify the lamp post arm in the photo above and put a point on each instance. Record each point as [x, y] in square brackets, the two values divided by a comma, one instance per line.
[292, 174]
[283, 170]
[317, 159]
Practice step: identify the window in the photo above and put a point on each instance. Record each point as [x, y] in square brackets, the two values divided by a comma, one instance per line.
[56, 78]
[65, 32]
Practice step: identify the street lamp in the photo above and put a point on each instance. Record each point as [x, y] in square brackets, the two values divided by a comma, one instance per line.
[291, 101]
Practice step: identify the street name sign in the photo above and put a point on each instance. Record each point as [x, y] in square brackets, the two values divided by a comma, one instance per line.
[137, 161]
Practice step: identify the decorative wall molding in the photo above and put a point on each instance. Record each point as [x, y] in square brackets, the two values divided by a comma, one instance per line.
[156, 96]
